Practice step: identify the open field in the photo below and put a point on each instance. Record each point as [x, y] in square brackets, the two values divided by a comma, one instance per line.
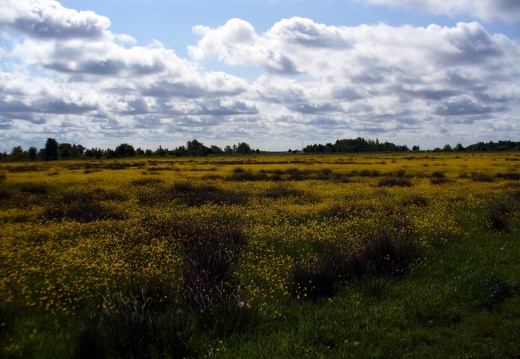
[267, 256]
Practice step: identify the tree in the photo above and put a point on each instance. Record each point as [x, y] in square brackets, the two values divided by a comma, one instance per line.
[51, 150]
[459, 148]
[125, 150]
[65, 151]
[161, 151]
[196, 148]
[243, 148]
[228, 150]
[416, 148]
[17, 154]
[33, 153]
[216, 150]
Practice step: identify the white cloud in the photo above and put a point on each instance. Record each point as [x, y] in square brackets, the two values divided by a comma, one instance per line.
[237, 43]
[68, 76]
[487, 10]
[48, 19]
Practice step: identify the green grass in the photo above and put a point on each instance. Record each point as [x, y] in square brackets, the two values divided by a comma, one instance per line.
[366, 278]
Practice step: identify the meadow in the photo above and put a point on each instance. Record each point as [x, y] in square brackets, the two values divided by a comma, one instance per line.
[262, 256]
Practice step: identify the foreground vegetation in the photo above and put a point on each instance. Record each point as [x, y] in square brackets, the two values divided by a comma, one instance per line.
[363, 256]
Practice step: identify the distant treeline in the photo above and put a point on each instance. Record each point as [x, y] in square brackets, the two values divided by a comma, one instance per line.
[363, 145]
[63, 151]
[355, 145]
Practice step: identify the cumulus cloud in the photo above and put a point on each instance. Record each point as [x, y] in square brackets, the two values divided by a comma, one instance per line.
[487, 10]
[68, 74]
[237, 43]
[48, 19]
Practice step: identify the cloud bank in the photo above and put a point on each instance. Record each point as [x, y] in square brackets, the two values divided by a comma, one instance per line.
[64, 74]
[487, 10]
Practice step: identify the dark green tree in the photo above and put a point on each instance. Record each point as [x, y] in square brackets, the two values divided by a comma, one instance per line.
[65, 151]
[125, 150]
[243, 148]
[459, 148]
[51, 150]
[18, 154]
[196, 148]
[32, 153]
[216, 150]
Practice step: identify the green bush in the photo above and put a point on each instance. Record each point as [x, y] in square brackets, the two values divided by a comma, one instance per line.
[395, 181]
[488, 288]
[33, 188]
[133, 328]
[499, 212]
[481, 177]
[311, 278]
[199, 194]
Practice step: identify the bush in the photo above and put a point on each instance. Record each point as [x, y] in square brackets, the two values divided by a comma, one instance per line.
[82, 207]
[508, 176]
[33, 188]
[282, 191]
[488, 288]
[209, 288]
[395, 181]
[344, 211]
[481, 177]
[439, 180]
[146, 181]
[4, 194]
[390, 251]
[312, 279]
[197, 195]
[133, 328]
[416, 200]
[498, 213]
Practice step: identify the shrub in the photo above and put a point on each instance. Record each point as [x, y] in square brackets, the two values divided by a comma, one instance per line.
[416, 200]
[489, 289]
[133, 328]
[498, 213]
[365, 173]
[390, 251]
[344, 211]
[33, 188]
[209, 288]
[242, 175]
[481, 177]
[395, 181]
[24, 168]
[439, 180]
[197, 195]
[282, 191]
[438, 174]
[311, 279]
[83, 212]
[4, 194]
[509, 176]
[81, 207]
[146, 181]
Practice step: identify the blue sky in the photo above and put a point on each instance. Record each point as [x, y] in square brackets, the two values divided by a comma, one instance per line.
[271, 73]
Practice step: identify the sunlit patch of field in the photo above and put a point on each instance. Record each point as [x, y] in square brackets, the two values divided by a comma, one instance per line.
[212, 248]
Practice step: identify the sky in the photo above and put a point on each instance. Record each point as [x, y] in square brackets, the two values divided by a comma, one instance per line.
[276, 74]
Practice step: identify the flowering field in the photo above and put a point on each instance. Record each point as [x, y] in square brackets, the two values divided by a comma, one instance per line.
[261, 256]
